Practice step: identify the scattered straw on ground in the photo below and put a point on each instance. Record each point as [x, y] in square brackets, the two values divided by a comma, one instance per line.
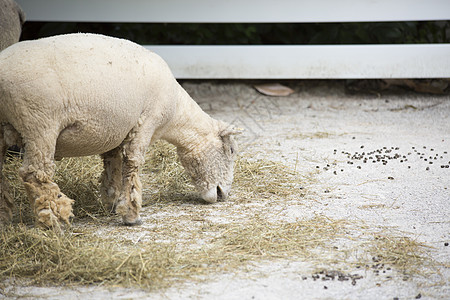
[44, 257]
[186, 245]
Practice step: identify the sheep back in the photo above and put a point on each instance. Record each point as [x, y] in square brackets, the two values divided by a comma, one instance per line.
[92, 89]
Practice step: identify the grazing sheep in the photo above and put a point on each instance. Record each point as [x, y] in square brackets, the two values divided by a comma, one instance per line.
[85, 94]
[11, 21]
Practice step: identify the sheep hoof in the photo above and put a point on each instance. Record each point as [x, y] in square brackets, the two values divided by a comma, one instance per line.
[5, 216]
[46, 219]
[111, 208]
[4, 221]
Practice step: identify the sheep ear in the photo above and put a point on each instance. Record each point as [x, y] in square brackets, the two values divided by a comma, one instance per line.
[228, 129]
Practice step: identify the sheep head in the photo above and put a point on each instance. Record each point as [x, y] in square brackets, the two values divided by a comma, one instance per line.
[211, 163]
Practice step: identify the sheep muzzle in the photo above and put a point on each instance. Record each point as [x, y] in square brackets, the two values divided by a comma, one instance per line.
[213, 195]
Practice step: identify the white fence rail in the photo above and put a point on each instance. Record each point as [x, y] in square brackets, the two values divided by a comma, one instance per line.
[327, 61]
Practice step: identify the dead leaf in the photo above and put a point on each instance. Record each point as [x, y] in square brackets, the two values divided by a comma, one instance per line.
[274, 89]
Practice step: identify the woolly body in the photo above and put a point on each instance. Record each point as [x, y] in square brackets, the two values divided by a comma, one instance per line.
[84, 94]
[11, 20]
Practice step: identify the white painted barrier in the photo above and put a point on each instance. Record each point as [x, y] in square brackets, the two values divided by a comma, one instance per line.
[278, 61]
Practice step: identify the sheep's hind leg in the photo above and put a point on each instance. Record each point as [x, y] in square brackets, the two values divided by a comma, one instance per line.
[130, 199]
[6, 201]
[50, 205]
[111, 181]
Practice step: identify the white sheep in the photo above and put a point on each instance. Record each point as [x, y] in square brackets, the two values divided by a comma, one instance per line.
[11, 20]
[85, 94]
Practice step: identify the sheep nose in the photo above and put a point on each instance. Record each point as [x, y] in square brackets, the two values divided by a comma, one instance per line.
[222, 193]
[219, 193]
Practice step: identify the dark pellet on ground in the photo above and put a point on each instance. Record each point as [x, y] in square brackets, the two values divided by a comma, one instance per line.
[445, 244]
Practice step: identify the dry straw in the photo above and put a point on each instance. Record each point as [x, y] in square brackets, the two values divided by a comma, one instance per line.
[84, 256]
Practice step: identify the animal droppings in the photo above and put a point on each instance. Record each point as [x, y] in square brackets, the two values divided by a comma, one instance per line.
[386, 155]
[325, 275]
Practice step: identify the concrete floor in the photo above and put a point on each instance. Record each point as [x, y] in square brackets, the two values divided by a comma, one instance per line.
[322, 127]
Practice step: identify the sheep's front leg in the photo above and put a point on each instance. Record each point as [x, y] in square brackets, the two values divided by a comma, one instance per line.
[111, 181]
[51, 207]
[134, 148]
[6, 201]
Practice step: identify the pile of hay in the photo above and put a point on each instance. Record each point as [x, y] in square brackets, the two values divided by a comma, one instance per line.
[83, 256]
[44, 256]
[77, 177]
